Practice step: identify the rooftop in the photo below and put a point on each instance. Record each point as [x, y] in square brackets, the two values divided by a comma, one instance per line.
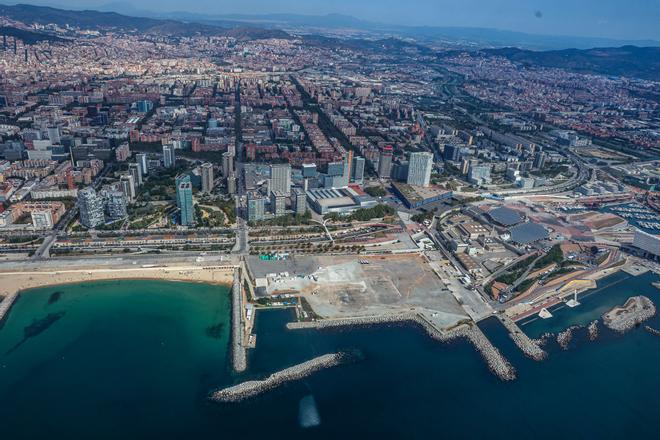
[528, 233]
[505, 216]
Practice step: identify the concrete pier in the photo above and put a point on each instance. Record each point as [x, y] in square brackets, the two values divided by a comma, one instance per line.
[238, 348]
[496, 362]
[524, 343]
[6, 303]
[254, 388]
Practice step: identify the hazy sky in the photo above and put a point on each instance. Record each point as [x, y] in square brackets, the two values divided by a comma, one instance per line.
[625, 19]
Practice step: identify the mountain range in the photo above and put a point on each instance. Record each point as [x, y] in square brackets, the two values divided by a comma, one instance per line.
[628, 60]
[470, 36]
[104, 20]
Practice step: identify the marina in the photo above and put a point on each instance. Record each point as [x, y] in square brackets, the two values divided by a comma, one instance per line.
[637, 215]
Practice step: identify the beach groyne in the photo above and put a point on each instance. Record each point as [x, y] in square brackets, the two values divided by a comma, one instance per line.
[238, 349]
[636, 310]
[6, 303]
[528, 346]
[494, 359]
[253, 388]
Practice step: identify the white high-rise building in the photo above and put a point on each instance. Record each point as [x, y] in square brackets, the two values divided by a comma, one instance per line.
[135, 170]
[357, 171]
[91, 208]
[419, 169]
[127, 185]
[207, 177]
[169, 158]
[280, 179]
[227, 164]
[143, 163]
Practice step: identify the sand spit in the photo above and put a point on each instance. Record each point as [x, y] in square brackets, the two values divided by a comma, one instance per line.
[636, 310]
[246, 390]
[496, 362]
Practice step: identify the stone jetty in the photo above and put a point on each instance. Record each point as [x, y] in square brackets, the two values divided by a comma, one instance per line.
[246, 390]
[496, 362]
[524, 343]
[6, 304]
[238, 349]
[636, 310]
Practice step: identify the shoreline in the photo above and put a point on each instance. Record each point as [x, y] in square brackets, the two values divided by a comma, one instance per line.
[20, 281]
[16, 283]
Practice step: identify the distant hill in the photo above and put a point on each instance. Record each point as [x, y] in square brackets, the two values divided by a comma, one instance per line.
[82, 19]
[96, 20]
[629, 61]
[28, 37]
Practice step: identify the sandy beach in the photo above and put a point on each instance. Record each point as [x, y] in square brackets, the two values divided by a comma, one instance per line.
[11, 282]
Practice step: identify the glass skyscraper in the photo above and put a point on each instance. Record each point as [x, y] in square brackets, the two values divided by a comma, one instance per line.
[184, 200]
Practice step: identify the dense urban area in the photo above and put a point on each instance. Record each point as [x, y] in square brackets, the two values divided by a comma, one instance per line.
[347, 178]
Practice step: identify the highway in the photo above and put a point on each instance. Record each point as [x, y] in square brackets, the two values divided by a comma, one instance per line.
[242, 246]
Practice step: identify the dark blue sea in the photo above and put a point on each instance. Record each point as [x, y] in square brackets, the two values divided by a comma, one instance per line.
[136, 359]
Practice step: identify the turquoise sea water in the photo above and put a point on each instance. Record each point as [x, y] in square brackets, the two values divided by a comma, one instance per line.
[135, 359]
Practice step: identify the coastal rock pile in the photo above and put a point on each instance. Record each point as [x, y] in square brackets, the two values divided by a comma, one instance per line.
[542, 341]
[496, 362]
[592, 328]
[253, 388]
[652, 330]
[636, 310]
[564, 338]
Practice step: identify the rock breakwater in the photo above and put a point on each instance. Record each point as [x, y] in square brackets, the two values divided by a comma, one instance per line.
[529, 347]
[238, 355]
[246, 390]
[636, 310]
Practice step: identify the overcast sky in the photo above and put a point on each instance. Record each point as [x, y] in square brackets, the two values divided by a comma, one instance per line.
[624, 19]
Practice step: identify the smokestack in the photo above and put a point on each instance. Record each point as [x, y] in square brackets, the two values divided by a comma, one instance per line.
[26, 55]
[15, 46]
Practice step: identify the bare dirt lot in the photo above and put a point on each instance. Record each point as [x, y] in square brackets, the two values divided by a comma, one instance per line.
[343, 286]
